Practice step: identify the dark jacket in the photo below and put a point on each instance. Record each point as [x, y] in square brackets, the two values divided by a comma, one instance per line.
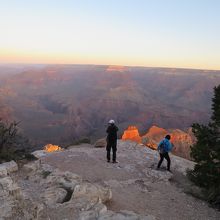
[112, 133]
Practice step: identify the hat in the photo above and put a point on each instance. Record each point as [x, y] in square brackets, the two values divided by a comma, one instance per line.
[111, 121]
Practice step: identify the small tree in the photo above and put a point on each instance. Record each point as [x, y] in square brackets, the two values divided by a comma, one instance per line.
[206, 153]
[12, 144]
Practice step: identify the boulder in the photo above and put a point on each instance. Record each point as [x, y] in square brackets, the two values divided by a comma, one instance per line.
[3, 171]
[100, 143]
[6, 183]
[39, 153]
[93, 213]
[124, 215]
[8, 187]
[9, 195]
[90, 191]
[10, 166]
[32, 166]
[54, 195]
[66, 180]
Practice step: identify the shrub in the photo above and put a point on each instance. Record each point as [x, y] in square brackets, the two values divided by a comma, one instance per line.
[206, 153]
[13, 145]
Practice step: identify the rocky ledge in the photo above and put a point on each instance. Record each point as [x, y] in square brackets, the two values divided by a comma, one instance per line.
[41, 191]
[78, 184]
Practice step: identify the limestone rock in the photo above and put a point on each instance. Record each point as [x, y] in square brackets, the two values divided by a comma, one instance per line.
[93, 213]
[46, 192]
[124, 215]
[47, 168]
[131, 133]
[6, 183]
[92, 191]
[66, 180]
[9, 187]
[6, 210]
[39, 153]
[54, 195]
[3, 171]
[101, 143]
[10, 166]
[32, 166]
[10, 193]
[88, 215]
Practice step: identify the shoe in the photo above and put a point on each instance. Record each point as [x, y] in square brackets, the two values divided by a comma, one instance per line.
[108, 161]
[114, 161]
[170, 171]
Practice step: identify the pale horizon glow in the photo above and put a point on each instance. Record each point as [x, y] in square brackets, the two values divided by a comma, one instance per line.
[171, 33]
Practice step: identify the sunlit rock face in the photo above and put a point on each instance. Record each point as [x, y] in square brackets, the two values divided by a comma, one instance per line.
[181, 140]
[51, 148]
[132, 134]
[153, 137]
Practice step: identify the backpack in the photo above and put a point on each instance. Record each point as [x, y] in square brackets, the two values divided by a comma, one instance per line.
[161, 148]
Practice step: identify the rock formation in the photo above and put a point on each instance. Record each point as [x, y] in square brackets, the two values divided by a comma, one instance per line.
[153, 137]
[45, 192]
[182, 142]
[131, 133]
[74, 101]
[135, 183]
[180, 139]
[51, 148]
[100, 143]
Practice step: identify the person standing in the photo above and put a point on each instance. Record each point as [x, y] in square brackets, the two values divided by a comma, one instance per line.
[111, 141]
[164, 148]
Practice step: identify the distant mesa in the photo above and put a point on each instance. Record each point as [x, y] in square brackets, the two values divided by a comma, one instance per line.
[155, 132]
[153, 137]
[132, 134]
[116, 68]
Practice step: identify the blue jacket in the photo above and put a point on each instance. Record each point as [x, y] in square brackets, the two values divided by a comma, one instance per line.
[167, 146]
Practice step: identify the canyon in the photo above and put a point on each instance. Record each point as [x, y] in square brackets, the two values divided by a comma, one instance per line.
[61, 104]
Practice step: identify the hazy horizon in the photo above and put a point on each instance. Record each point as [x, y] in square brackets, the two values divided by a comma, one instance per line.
[91, 64]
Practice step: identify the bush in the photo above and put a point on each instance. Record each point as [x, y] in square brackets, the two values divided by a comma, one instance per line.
[13, 145]
[206, 153]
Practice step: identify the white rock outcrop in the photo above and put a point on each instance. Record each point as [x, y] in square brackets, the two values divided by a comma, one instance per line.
[90, 191]
[39, 153]
[10, 193]
[10, 166]
[3, 171]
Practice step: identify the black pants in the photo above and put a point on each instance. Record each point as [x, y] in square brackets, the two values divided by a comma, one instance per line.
[166, 156]
[111, 145]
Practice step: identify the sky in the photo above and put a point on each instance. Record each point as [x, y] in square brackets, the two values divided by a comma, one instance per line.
[154, 33]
